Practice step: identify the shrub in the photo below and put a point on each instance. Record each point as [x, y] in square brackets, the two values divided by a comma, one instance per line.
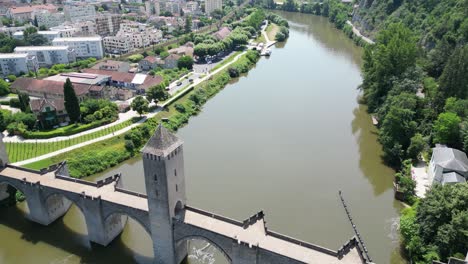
[233, 72]
[14, 102]
[135, 58]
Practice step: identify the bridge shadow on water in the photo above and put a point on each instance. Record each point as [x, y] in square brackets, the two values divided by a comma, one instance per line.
[59, 235]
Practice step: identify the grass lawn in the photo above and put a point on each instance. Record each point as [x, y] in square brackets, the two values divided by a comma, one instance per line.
[260, 38]
[22, 151]
[227, 60]
[271, 31]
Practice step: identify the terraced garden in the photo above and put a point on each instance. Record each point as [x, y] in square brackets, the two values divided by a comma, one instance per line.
[21, 151]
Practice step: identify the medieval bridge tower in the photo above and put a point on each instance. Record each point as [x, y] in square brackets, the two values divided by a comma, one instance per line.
[163, 163]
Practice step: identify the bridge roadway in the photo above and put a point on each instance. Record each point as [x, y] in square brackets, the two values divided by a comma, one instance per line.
[251, 234]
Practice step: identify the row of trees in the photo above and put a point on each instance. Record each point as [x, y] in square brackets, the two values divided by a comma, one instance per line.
[415, 82]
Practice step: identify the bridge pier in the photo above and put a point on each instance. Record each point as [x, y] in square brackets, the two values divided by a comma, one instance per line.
[37, 205]
[100, 230]
[242, 253]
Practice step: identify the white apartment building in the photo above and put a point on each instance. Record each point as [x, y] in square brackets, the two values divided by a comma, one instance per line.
[83, 28]
[107, 24]
[212, 5]
[85, 47]
[49, 55]
[48, 19]
[12, 63]
[152, 8]
[75, 13]
[173, 7]
[117, 44]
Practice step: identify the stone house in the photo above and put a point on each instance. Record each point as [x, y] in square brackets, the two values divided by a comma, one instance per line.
[150, 63]
[448, 166]
[184, 50]
[170, 62]
[48, 88]
[49, 112]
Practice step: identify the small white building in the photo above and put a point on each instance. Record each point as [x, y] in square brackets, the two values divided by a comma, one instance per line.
[85, 47]
[12, 63]
[49, 55]
[447, 166]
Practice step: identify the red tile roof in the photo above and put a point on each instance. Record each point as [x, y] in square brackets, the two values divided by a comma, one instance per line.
[125, 77]
[222, 33]
[46, 87]
[151, 81]
[38, 104]
[30, 8]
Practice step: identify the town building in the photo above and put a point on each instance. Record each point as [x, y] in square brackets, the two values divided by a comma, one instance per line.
[49, 112]
[447, 166]
[85, 47]
[49, 55]
[222, 33]
[48, 19]
[136, 81]
[17, 64]
[77, 29]
[152, 7]
[112, 65]
[47, 88]
[150, 63]
[79, 12]
[170, 62]
[131, 36]
[81, 78]
[191, 6]
[25, 13]
[173, 7]
[120, 44]
[107, 24]
[184, 50]
[212, 5]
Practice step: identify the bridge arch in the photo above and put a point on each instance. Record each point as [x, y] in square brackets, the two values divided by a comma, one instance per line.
[18, 186]
[143, 222]
[219, 248]
[68, 197]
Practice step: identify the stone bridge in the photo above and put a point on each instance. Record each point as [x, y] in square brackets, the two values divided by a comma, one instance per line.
[163, 212]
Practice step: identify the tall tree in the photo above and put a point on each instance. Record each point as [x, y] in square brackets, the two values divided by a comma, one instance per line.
[72, 104]
[24, 102]
[157, 92]
[454, 79]
[188, 24]
[140, 105]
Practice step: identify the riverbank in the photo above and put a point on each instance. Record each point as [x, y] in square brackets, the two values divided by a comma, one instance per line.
[102, 155]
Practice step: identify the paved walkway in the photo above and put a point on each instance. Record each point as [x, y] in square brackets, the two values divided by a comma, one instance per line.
[358, 33]
[419, 175]
[119, 132]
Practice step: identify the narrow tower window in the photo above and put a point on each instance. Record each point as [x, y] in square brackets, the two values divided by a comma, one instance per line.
[155, 177]
[175, 172]
[176, 188]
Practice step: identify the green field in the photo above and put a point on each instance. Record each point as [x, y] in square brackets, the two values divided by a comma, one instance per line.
[22, 151]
